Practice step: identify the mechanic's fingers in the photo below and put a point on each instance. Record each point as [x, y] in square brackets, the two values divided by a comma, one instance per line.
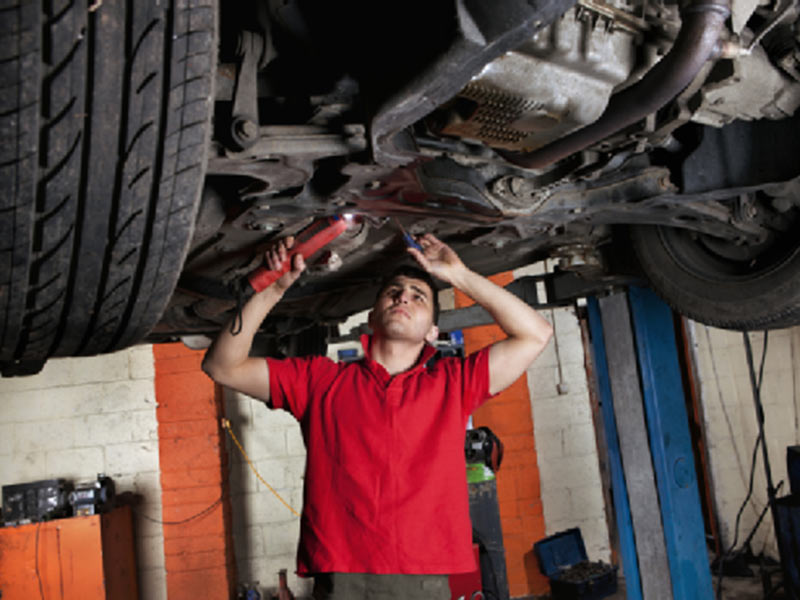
[428, 239]
[298, 264]
[420, 258]
[431, 246]
[276, 255]
[297, 267]
[282, 252]
[271, 258]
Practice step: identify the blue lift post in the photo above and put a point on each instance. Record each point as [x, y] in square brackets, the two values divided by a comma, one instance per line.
[622, 509]
[670, 447]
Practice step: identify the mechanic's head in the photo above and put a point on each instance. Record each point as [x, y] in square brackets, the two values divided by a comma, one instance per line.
[407, 305]
[413, 272]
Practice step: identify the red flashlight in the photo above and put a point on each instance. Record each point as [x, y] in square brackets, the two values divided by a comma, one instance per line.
[320, 233]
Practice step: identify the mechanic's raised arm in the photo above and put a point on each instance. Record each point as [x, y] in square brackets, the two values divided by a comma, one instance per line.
[228, 360]
[528, 332]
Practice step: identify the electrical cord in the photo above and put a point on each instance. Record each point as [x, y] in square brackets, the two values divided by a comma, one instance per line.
[227, 425]
[761, 516]
[202, 513]
[725, 414]
[36, 561]
[726, 555]
[747, 496]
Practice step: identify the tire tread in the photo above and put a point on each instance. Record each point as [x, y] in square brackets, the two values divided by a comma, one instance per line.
[93, 171]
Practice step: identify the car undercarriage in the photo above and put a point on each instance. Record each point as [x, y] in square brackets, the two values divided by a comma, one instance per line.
[627, 141]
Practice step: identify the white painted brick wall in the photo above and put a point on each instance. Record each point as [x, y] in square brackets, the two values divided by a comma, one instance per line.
[81, 417]
[731, 428]
[265, 532]
[566, 446]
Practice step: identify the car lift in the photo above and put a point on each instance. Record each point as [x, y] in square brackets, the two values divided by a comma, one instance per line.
[646, 431]
[649, 447]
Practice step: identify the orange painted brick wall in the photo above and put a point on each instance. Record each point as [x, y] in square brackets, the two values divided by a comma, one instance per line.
[508, 415]
[195, 503]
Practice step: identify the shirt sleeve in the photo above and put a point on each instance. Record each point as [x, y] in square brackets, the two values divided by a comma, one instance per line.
[294, 382]
[475, 380]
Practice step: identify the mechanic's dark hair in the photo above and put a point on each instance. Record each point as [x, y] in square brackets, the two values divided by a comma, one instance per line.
[406, 270]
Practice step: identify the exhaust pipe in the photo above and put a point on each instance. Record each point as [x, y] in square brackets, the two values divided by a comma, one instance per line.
[696, 43]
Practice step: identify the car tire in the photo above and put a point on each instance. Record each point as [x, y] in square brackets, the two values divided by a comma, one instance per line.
[735, 289]
[105, 113]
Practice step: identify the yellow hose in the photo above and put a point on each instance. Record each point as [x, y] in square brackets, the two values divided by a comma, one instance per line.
[227, 425]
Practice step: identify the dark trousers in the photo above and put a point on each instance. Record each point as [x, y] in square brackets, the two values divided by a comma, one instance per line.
[368, 586]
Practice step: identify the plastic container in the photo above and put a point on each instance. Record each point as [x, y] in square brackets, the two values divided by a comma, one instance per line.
[793, 468]
[788, 509]
[562, 558]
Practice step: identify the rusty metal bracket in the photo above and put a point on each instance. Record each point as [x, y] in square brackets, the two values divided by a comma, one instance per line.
[255, 52]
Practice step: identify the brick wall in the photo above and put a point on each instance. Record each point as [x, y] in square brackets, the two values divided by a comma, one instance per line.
[265, 531]
[196, 510]
[81, 417]
[566, 444]
[565, 436]
[508, 415]
[731, 428]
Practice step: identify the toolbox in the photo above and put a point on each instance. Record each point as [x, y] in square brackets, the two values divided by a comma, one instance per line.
[562, 558]
[36, 501]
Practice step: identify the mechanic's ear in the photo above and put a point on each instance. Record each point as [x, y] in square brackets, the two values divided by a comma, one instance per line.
[432, 335]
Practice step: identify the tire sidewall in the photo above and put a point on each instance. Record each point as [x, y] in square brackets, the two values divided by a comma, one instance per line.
[766, 299]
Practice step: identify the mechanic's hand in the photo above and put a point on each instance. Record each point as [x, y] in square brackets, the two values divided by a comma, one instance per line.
[437, 258]
[277, 255]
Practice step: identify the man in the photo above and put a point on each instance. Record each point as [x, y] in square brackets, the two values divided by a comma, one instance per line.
[386, 511]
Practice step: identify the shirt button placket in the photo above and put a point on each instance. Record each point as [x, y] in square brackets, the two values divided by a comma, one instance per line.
[394, 396]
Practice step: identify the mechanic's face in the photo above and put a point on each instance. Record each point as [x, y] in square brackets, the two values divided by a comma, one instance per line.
[404, 310]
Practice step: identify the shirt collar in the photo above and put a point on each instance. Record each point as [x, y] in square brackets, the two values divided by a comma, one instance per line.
[427, 352]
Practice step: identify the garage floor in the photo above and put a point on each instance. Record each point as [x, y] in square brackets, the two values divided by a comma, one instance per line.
[733, 588]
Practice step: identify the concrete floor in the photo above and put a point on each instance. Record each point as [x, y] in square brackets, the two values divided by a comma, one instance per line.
[733, 588]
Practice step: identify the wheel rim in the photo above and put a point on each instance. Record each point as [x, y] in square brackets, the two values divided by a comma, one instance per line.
[720, 261]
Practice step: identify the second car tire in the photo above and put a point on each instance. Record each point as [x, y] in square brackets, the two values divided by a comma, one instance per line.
[729, 288]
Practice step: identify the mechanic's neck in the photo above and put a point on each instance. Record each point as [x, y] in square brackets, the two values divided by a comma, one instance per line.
[395, 355]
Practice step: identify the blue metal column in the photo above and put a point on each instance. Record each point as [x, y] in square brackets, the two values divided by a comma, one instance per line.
[670, 446]
[622, 510]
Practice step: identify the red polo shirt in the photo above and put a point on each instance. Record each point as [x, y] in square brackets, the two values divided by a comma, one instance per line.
[385, 485]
